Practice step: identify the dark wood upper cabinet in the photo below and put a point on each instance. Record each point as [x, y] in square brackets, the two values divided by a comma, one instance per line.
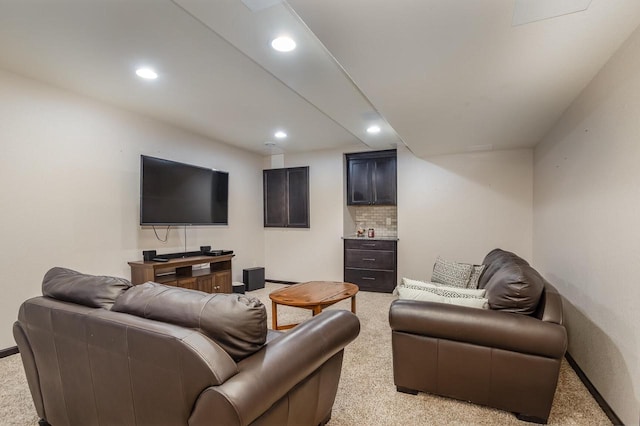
[371, 178]
[275, 197]
[286, 197]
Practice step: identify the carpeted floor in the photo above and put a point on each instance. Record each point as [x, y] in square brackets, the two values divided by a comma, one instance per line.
[366, 394]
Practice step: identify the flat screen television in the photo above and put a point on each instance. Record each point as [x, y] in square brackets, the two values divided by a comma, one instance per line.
[173, 193]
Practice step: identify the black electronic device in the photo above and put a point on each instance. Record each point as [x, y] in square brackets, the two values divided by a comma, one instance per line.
[205, 249]
[253, 278]
[218, 252]
[160, 259]
[148, 255]
[173, 193]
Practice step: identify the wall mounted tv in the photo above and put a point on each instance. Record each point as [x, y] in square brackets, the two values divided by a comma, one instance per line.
[173, 193]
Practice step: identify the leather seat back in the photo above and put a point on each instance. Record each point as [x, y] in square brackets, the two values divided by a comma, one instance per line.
[94, 366]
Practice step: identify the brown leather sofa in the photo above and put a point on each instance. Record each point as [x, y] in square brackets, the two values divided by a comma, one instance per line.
[507, 357]
[97, 351]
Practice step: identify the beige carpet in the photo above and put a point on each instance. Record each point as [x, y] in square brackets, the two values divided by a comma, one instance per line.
[366, 395]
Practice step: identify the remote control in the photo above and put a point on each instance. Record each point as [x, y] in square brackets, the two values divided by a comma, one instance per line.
[160, 259]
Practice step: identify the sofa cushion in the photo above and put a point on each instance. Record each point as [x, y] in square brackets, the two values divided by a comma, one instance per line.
[441, 289]
[515, 288]
[496, 259]
[236, 322]
[476, 273]
[93, 291]
[451, 298]
[451, 273]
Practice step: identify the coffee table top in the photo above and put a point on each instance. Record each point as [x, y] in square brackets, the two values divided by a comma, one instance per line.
[314, 293]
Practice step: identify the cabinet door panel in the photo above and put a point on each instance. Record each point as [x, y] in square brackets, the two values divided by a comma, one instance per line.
[222, 282]
[358, 182]
[298, 194]
[189, 283]
[205, 284]
[275, 197]
[384, 181]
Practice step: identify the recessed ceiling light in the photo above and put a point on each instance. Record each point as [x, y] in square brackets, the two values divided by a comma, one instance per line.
[280, 134]
[373, 129]
[147, 73]
[283, 44]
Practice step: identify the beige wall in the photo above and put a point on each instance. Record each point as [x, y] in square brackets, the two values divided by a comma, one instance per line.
[69, 168]
[586, 231]
[314, 253]
[462, 206]
[458, 206]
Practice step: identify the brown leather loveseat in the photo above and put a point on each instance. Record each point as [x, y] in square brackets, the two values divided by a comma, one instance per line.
[97, 351]
[507, 357]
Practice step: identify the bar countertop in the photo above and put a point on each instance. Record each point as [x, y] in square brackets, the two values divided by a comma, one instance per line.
[354, 237]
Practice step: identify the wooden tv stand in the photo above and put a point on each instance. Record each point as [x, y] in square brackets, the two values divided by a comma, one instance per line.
[180, 273]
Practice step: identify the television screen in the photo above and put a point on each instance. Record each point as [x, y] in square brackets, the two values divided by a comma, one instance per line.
[173, 193]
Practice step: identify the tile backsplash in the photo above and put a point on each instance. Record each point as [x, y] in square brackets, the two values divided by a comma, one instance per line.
[383, 219]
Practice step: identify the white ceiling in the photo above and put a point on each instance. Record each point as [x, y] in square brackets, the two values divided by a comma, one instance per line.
[441, 76]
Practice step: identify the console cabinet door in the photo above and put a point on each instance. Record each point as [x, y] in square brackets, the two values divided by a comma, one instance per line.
[188, 282]
[222, 282]
[205, 284]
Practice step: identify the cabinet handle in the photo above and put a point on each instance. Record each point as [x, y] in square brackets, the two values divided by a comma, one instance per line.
[370, 245]
[368, 278]
[370, 260]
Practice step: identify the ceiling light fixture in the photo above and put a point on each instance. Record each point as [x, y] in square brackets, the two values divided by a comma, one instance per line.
[146, 73]
[280, 134]
[373, 129]
[283, 44]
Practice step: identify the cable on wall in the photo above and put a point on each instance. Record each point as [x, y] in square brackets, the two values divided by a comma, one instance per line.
[166, 237]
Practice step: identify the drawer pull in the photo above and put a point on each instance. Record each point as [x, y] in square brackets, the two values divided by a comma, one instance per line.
[368, 278]
[369, 245]
[368, 259]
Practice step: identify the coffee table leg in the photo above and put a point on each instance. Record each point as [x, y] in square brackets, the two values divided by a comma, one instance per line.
[353, 304]
[274, 315]
[316, 310]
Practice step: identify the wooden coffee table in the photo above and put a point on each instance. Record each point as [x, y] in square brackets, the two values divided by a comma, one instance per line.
[313, 295]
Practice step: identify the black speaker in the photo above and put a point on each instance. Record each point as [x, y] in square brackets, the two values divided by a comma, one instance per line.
[253, 278]
[205, 249]
[148, 255]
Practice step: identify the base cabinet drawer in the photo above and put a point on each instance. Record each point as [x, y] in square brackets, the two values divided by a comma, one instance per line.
[370, 259]
[371, 280]
[369, 244]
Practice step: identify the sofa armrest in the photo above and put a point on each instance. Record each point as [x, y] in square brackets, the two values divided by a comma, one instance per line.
[269, 374]
[502, 330]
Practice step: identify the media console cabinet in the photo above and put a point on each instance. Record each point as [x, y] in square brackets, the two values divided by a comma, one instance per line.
[216, 278]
